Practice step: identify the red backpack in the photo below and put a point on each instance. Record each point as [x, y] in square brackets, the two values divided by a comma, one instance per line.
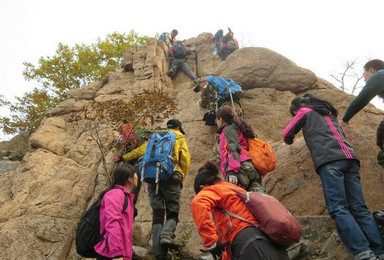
[261, 154]
[273, 218]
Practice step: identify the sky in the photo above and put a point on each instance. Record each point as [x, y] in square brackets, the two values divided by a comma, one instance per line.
[318, 35]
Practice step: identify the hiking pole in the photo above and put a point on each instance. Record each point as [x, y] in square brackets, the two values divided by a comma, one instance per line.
[216, 100]
[230, 94]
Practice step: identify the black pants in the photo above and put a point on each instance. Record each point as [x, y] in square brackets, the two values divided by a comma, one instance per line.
[100, 257]
[250, 243]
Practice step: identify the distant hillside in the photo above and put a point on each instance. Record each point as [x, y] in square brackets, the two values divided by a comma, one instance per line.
[19, 143]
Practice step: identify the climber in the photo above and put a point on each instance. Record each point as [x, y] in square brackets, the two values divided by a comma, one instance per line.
[374, 78]
[178, 54]
[133, 155]
[164, 195]
[116, 223]
[128, 137]
[338, 167]
[236, 166]
[169, 38]
[232, 236]
[217, 92]
[224, 45]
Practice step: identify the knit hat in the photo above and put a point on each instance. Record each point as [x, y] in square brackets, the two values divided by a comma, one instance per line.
[175, 123]
[200, 178]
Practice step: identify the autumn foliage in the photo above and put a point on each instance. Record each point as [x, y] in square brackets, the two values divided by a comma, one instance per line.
[69, 68]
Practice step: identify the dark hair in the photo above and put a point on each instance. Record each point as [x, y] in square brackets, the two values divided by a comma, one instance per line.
[321, 106]
[175, 32]
[380, 135]
[375, 64]
[120, 176]
[206, 175]
[228, 115]
[296, 104]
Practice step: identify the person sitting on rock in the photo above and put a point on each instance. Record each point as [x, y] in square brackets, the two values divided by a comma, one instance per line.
[178, 54]
[224, 45]
[169, 38]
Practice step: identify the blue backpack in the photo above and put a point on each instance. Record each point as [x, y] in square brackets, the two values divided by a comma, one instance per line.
[225, 87]
[157, 162]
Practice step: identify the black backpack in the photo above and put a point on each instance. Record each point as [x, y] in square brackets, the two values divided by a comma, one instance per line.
[179, 51]
[87, 232]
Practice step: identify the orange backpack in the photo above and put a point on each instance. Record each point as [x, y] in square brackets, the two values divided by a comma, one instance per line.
[262, 155]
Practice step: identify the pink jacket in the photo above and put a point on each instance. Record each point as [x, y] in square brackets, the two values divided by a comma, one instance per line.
[231, 154]
[117, 241]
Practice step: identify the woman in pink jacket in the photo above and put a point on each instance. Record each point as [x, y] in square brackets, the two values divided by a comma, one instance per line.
[116, 215]
[236, 166]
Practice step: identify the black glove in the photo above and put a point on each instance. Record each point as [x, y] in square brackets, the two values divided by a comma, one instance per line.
[177, 177]
[219, 249]
[380, 158]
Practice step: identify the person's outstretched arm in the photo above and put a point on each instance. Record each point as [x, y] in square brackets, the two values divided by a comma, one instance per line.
[373, 87]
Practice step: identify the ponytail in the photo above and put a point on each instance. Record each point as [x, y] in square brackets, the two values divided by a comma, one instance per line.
[228, 115]
[315, 101]
[321, 106]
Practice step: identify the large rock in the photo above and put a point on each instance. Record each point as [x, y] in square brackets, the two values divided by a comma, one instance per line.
[43, 199]
[262, 68]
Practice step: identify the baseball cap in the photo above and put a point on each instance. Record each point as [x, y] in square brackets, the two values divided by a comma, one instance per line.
[174, 123]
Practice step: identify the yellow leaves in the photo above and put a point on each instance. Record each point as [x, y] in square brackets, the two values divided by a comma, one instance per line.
[75, 67]
[69, 68]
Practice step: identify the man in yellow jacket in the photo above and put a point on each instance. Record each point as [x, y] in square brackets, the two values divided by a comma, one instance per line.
[166, 201]
[180, 153]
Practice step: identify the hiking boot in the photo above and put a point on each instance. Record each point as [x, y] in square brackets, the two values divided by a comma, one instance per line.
[303, 252]
[169, 242]
[171, 73]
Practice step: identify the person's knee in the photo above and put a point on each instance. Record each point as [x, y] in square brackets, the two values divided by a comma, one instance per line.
[173, 215]
[158, 216]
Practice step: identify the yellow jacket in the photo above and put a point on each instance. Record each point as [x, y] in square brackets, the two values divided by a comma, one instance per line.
[135, 153]
[180, 154]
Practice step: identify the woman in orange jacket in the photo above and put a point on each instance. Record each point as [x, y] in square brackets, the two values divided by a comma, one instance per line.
[234, 239]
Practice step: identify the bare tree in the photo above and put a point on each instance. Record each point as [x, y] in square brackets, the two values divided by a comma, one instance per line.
[347, 76]
[144, 109]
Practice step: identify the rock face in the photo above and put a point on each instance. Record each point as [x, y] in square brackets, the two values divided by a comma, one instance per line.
[42, 200]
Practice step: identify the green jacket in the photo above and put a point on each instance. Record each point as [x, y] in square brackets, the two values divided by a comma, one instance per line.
[373, 87]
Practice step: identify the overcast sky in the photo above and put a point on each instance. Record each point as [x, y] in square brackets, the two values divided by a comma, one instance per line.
[317, 35]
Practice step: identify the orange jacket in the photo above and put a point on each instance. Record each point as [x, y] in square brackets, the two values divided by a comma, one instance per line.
[207, 201]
